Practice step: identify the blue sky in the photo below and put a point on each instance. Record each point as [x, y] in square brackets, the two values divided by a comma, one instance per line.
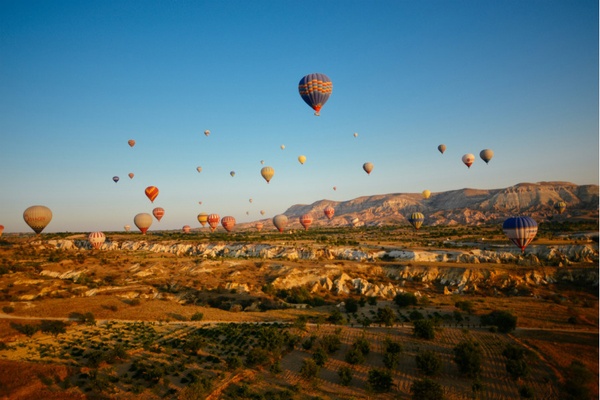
[80, 78]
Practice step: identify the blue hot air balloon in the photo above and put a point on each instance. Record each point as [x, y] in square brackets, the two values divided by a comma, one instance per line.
[315, 90]
[520, 230]
[416, 220]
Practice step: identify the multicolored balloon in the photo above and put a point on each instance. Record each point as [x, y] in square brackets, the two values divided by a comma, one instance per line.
[416, 220]
[442, 148]
[267, 173]
[115, 179]
[37, 217]
[186, 229]
[306, 221]
[228, 223]
[302, 159]
[329, 211]
[158, 213]
[315, 90]
[203, 218]
[368, 167]
[468, 159]
[213, 221]
[131, 142]
[96, 239]
[280, 221]
[561, 207]
[151, 193]
[486, 155]
[143, 221]
[520, 230]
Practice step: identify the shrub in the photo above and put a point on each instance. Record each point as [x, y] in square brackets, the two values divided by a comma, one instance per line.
[405, 299]
[355, 356]
[465, 305]
[428, 363]
[424, 329]
[53, 327]
[331, 343]
[309, 368]
[345, 374]
[467, 356]
[380, 380]
[503, 320]
[351, 305]
[320, 356]
[8, 309]
[578, 379]
[25, 329]
[386, 316]
[197, 316]
[426, 389]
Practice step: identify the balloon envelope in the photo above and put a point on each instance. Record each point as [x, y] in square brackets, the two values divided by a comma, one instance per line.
[258, 226]
[151, 193]
[306, 221]
[302, 159]
[486, 155]
[267, 173]
[280, 221]
[199, 169]
[207, 132]
[1, 229]
[329, 211]
[127, 228]
[158, 213]
[262, 212]
[186, 229]
[143, 221]
[116, 179]
[131, 142]
[442, 148]
[416, 220]
[468, 159]
[232, 173]
[213, 221]
[368, 167]
[355, 134]
[203, 218]
[37, 217]
[561, 206]
[96, 239]
[426, 193]
[520, 230]
[131, 175]
[315, 90]
[228, 223]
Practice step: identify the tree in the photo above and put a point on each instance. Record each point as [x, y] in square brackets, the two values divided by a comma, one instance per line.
[465, 305]
[320, 356]
[336, 317]
[380, 380]
[405, 299]
[331, 343]
[517, 364]
[345, 374]
[386, 316]
[503, 320]
[391, 357]
[467, 356]
[577, 382]
[426, 389]
[424, 329]
[309, 368]
[197, 316]
[428, 362]
[53, 327]
[351, 305]
[355, 356]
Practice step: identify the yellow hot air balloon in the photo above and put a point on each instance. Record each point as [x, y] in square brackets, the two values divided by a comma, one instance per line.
[203, 218]
[232, 173]
[426, 193]
[143, 222]
[267, 173]
[37, 217]
[442, 148]
[302, 159]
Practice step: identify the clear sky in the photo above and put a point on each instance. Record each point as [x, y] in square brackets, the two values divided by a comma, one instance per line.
[78, 79]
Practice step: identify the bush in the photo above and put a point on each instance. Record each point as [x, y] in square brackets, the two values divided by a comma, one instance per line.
[355, 356]
[197, 316]
[331, 343]
[8, 309]
[466, 306]
[386, 316]
[405, 299]
[380, 380]
[577, 382]
[428, 363]
[25, 329]
[467, 356]
[426, 389]
[503, 320]
[424, 329]
[309, 368]
[351, 305]
[53, 327]
[345, 374]
[517, 364]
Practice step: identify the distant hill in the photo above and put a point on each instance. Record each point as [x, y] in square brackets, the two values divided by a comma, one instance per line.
[463, 206]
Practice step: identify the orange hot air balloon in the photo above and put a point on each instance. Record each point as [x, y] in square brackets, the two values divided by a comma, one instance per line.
[131, 175]
[96, 239]
[143, 222]
[158, 213]
[1, 229]
[267, 173]
[37, 217]
[151, 193]
[280, 221]
[228, 223]
[258, 226]
[306, 221]
[329, 211]
[368, 167]
[186, 229]
[131, 142]
[203, 218]
[213, 221]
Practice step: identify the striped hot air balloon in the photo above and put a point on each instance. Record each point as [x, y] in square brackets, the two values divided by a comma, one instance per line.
[306, 221]
[213, 221]
[203, 218]
[151, 193]
[143, 221]
[37, 217]
[158, 213]
[228, 223]
[329, 211]
[96, 239]
[315, 90]
[416, 220]
[520, 230]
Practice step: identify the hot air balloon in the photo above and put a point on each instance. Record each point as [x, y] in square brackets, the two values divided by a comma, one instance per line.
[468, 159]
[267, 173]
[203, 218]
[262, 212]
[302, 159]
[282, 147]
[280, 221]
[115, 179]
[228, 223]
[200, 202]
[1, 229]
[416, 220]
[561, 206]
[315, 90]
[127, 228]
[250, 200]
[232, 173]
[199, 169]
[486, 155]
[37, 217]
[262, 162]
[258, 226]
[158, 213]
[306, 221]
[207, 132]
[442, 148]
[151, 193]
[355, 134]
[131, 142]
[131, 175]
[96, 239]
[426, 193]
[186, 229]
[520, 230]
[213, 221]
[335, 188]
[329, 211]
[368, 167]
[143, 222]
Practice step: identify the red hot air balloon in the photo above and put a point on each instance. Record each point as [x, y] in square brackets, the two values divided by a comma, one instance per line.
[329, 211]
[143, 222]
[96, 239]
[306, 221]
[228, 223]
[151, 193]
[213, 221]
[1, 229]
[158, 213]
[186, 229]
[131, 142]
